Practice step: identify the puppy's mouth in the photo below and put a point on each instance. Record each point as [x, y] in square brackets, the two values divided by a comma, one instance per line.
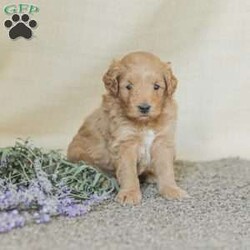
[139, 117]
[143, 117]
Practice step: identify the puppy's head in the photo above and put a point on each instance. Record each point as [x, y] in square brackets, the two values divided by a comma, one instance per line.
[142, 82]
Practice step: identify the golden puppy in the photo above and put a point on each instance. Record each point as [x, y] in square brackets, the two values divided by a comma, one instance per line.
[132, 133]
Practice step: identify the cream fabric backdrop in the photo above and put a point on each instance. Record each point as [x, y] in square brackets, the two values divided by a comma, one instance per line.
[50, 83]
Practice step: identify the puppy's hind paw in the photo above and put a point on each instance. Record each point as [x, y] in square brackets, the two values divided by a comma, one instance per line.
[132, 197]
[173, 192]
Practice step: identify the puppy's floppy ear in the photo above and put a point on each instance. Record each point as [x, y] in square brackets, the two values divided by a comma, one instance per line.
[169, 78]
[111, 77]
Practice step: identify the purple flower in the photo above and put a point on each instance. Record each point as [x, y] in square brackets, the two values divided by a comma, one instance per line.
[73, 210]
[66, 201]
[95, 199]
[41, 218]
[69, 207]
[10, 220]
[38, 196]
[12, 197]
[36, 186]
[42, 177]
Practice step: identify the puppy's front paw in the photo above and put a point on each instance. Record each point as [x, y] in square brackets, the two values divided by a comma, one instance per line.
[131, 197]
[173, 192]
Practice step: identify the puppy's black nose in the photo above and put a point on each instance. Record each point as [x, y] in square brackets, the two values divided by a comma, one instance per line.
[144, 108]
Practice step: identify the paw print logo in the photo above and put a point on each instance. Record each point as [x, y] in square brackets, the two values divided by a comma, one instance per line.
[20, 26]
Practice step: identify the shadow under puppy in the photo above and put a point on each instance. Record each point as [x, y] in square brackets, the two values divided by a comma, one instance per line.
[133, 132]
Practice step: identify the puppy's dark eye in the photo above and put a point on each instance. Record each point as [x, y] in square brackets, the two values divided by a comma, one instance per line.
[129, 86]
[156, 86]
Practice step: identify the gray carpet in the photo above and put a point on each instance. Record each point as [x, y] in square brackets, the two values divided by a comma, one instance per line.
[217, 216]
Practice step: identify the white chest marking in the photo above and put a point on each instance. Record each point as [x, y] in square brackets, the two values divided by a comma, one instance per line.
[145, 148]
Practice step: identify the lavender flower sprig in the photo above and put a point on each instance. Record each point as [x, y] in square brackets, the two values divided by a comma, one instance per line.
[44, 184]
[10, 220]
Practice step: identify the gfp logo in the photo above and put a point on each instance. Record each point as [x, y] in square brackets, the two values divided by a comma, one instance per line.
[20, 24]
